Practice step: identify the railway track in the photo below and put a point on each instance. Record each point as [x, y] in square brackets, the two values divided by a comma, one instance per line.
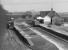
[58, 40]
[54, 33]
[35, 36]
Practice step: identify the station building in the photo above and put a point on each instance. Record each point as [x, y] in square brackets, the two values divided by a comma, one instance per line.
[51, 17]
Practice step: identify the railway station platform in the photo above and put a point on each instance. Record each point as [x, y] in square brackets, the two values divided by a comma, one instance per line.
[59, 29]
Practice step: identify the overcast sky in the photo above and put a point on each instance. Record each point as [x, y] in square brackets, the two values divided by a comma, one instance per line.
[38, 5]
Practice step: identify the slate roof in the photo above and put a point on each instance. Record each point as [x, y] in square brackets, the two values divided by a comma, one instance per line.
[51, 13]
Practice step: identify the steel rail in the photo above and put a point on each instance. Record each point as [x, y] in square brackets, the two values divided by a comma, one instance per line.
[60, 43]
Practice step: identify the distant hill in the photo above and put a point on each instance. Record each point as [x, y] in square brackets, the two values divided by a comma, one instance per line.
[15, 13]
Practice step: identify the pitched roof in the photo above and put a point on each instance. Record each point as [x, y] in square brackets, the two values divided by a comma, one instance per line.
[44, 13]
[53, 13]
[50, 13]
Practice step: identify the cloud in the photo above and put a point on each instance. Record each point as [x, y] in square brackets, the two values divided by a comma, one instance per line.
[24, 5]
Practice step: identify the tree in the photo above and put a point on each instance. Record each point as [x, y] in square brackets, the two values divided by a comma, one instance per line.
[2, 10]
[3, 19]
